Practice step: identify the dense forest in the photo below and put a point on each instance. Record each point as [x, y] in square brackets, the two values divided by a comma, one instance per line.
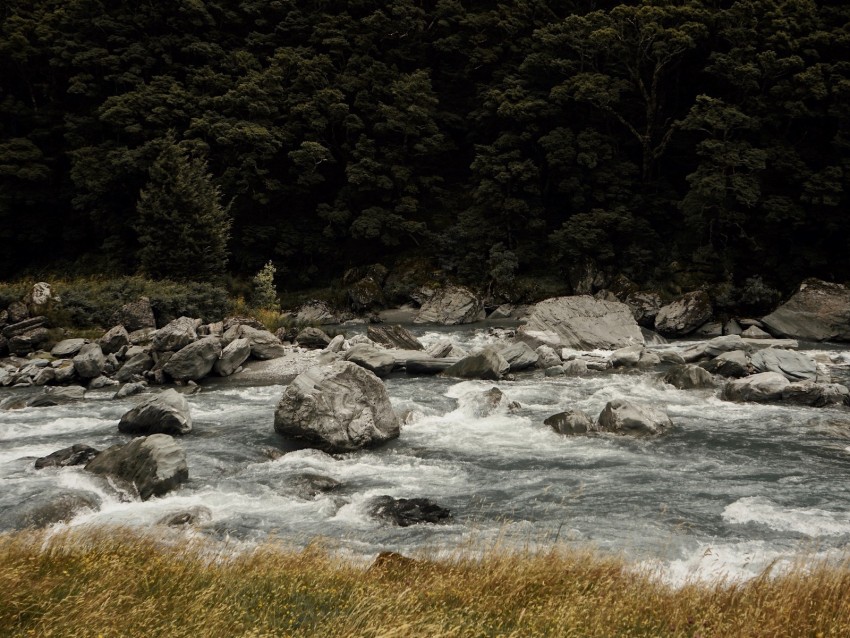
[190, 138]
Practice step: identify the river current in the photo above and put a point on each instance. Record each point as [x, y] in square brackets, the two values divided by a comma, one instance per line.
[732, 488]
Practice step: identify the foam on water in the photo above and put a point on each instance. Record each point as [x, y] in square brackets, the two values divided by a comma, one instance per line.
[812, 521]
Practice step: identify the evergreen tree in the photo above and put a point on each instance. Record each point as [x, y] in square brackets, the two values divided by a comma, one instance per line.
[182, 226]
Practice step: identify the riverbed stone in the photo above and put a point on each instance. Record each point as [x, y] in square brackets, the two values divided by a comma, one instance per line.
[580, 323]
[77, 454]
[451, 306]
[153, 465]
[485, 364]
[818, 311]
[575, 368]
[131, 389]
[374, 359]
[232, 356]
[762, 387]
[176, 334]
[134, 366]
[45, 509]
[67, 348]
[264, 345]
[729, 364]
[393, 336]
[164, 413]
[58, 396]
[340, 407]
[313, 339]
[408, 511]
[626, 417]
[114, 339]
[626, 357]
[194, 361]
[728, 343]
[796, 366]
[192, 516]
[570, 422]
[689, 377]
[519, 356]
[685, 315]
[816, 395]
[754, 332]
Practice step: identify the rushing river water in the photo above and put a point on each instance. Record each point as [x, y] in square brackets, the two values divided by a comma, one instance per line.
[731, 488]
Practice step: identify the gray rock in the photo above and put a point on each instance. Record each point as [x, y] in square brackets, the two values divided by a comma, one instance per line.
[77, 454]
[64, 371]
[575, 368]
[408, 511]
[570, 422]
[393, 336]
[754, 332]
[309, 486]
[486, 364]
[316, 312]
[781, 344]
[793, 365]
[187, 518]
[101, 382]
[648, 360]
[816, 395]
[137, 315]
[373, 359]
[819, 311]
[684, 315]
[732, 327]
[114, 339]
[23, 344]
[336, 344]
[232, 356]
[340, 407]
[153, 465]
[729, 364]
[43, 510]
[313, 338]
[689, 377]
[67, 348]
[652, 338]
[264, 345]
[428, 366]
[163, 413]
[130, 389]
[134, 366]
[581, 323]
[505, 311]
[175, 335]
[440, 349]
[669, 356]
[547, 357]
[625, 357]
[554, 371]
[519, 356]
[625, 417]
[195, 361]
[486, 403]
[710, 329]
[766, 386]
[17, 312]
[644, 306]
[58, 396]
[729, 343]
[451, 306]
[44, 376]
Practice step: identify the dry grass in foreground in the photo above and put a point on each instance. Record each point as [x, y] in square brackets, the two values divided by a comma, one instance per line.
[110, 583]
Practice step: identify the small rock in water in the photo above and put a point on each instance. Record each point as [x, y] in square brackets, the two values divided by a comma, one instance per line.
[408, 511]
[192, 516]
[570, 422]
[77, 454]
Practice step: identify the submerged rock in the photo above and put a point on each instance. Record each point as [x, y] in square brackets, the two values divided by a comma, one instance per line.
[77, 454]
[408, 511]
[340, 407]
[186, 518]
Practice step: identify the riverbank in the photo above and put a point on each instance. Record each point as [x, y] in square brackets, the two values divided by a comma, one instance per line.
[103, 583]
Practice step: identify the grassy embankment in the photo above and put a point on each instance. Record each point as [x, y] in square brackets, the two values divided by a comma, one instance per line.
[123, 584]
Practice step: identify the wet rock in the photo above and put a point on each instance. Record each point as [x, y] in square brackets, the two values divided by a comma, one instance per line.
[580, 323]
[428, 366]
[710, 329]
[131, 389]
[58, 396]
[340, 407]
[153, 465]
[176, 335]
[651, 338]
[309, 486]
[67, 348]
[484, 404]
[732, 327]
[575, 368]
[626, 357]
[819, 311]
[393, 336]
[64, 371]
[625, 417]
[554, 371]
[133, 367]
[114, 339]
[570, 422]
[505, 311]
[137, 315]
[729, 343]
[408, 511]
[795, 366]
[264, 345]
[689, 377]
[187, 518]
[77, 454]
[766, 386]
[547, 357]
[43, 510]
[729, 364]
[486, 364]
[232, 356]
[451, 306]
[684, 315]
[163, 413]
[194, 361]
[313, 338]
[816, 395]
[373, 359]
[648, 360]
[519, 356]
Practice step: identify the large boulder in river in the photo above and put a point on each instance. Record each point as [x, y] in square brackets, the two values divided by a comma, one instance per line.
[729, 364]
[451, 306]
[819, 311]
[519, 356]
[795, 366]
[486, 364]
[625, 417]
[393, 336]
[195, 361]
[580, 323]
[374, 359]
[766, 386]
[816, 395]
[264, 345]
[163, 413]
[232, 356]
[684, 315]
[153, 465]
[570, 422]
[689, 377]
[176, 334]
[339, 408]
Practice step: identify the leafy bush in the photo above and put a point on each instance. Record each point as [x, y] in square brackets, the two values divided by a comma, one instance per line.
[264, 293]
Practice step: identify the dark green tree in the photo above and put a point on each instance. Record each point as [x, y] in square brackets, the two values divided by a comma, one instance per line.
[182, 225]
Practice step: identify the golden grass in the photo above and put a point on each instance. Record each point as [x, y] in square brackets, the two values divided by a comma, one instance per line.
[120, 583]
